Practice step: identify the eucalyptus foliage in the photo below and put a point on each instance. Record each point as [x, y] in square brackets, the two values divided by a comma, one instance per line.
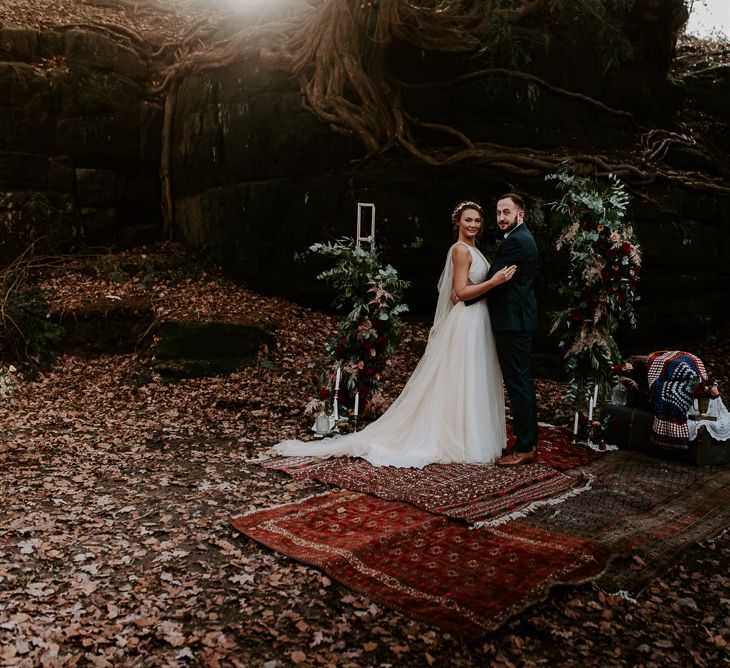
[599, 291]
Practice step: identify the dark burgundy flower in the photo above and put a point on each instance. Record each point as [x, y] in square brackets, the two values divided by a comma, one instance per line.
[626, 248]
[340, 351]
[324, 393]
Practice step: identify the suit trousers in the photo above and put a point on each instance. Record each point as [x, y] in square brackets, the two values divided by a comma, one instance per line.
[513, 351]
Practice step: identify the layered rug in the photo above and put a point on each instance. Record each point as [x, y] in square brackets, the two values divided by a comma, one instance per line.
[428, 567]
[479, 494]
[556, 449]
[647, 510]
[621, 521]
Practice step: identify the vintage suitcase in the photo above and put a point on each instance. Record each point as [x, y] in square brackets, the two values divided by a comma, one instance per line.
[630, 429]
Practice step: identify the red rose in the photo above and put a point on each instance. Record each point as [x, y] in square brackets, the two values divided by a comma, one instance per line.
[625, 247]
[324, 393]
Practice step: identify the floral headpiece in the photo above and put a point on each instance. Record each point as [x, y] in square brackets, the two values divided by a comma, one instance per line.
[467, 204]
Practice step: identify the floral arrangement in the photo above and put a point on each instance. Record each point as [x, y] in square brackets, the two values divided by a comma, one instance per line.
[600, 290]
[371, 296]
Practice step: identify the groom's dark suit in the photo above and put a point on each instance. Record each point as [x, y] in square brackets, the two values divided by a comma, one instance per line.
[513, 313]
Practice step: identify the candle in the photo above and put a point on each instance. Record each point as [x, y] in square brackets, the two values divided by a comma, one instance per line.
[336, 410]
[357, 403]
[590, 410]
[595, 396]
[575, 423]
[337, 379]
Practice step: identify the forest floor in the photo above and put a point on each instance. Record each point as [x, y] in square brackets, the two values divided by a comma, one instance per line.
[118, 486]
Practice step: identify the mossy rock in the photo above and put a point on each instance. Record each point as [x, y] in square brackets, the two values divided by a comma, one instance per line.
[195, 349]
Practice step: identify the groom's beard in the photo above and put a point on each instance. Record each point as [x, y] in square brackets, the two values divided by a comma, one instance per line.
[510, 227]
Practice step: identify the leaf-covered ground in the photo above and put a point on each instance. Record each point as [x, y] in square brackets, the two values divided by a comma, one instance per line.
[117, 486]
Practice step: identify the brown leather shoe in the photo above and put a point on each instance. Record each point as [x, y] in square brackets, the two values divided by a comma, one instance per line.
[517, 458]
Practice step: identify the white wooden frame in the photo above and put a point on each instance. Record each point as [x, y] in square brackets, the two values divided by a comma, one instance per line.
[359, 235]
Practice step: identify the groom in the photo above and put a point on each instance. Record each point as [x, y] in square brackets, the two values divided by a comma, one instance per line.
[513, 313]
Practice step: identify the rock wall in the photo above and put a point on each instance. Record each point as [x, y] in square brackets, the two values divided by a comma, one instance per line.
[79, 142]
[256, 179]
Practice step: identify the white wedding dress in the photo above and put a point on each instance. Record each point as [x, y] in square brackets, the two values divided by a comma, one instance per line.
[451, 409]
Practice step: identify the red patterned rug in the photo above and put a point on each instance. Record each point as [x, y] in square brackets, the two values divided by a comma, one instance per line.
[556, 450]
[481, 495]
[428, 567]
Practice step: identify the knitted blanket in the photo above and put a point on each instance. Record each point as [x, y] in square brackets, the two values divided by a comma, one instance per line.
[673, 377]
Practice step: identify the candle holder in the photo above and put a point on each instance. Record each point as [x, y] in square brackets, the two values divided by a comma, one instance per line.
[594, 431]
[336, 405]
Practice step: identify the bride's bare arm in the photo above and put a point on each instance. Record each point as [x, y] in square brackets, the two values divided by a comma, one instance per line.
[461, 258]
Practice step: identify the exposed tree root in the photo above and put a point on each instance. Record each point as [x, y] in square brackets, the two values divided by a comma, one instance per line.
[337, 51]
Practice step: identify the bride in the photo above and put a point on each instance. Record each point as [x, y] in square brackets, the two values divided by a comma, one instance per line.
[452, 407]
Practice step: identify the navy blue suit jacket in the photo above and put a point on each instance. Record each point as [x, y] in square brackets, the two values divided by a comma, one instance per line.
[512, 305]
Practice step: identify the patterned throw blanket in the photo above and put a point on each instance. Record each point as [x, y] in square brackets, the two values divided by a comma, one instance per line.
[673, 378]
